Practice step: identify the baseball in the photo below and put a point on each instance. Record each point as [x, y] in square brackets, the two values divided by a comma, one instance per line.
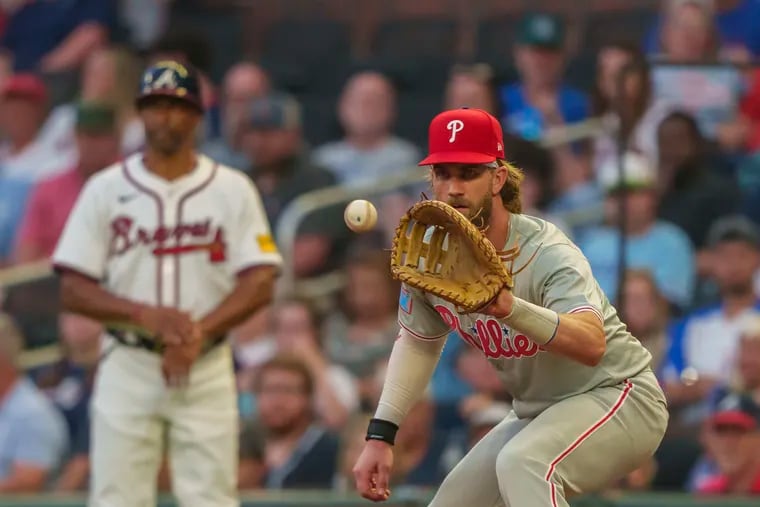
[360, 215]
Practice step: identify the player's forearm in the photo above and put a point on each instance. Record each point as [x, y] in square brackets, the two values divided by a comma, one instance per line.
[254, 289]
[84, 296]
[410, 368]
[580, 336]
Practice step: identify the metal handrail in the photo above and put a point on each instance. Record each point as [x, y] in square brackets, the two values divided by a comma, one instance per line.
[299, 208]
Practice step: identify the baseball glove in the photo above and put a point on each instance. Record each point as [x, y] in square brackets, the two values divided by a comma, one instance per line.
[438, 250]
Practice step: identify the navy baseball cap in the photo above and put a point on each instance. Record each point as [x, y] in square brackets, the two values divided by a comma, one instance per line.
[169, 78]
[541, 30]
[276, 111]
[734, 228]
[735, 409]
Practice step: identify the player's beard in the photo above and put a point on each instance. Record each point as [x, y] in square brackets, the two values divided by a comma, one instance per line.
[165, 141]
[478, 213]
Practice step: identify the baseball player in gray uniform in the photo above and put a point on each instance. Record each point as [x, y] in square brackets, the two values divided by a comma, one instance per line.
[587, 407]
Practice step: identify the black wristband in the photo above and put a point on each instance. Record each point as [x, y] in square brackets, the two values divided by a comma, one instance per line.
[379, 429]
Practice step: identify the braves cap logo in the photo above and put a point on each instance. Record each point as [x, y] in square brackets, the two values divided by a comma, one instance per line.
[455, 126]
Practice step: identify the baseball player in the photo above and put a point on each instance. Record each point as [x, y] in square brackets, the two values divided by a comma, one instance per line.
[170, 250]
[587, 407]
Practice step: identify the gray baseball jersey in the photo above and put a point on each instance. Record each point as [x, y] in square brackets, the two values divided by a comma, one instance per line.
[555, 275]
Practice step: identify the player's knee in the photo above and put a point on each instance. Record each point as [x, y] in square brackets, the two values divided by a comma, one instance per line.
[514, 465]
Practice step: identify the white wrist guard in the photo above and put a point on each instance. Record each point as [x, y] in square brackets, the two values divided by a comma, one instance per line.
[536, 322]
[410, 368]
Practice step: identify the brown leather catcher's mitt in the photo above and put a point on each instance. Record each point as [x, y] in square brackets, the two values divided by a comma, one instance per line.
[438, 250]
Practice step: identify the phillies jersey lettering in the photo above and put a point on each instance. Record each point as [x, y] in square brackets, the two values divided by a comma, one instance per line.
[173, 243]
[556, 275]
[490, 336]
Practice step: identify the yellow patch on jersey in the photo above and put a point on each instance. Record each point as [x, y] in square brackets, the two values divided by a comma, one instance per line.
[266, 243]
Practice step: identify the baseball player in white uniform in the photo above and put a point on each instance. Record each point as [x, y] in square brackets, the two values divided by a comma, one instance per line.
[170, 250]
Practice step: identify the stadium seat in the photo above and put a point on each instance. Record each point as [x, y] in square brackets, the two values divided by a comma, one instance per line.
[495, 38]
[628, 25]
[415, 38]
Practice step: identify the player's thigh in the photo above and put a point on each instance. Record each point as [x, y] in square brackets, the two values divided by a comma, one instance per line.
[126, 433]
[125, 453]
[473, 480]
[585, 442]
[203, 444]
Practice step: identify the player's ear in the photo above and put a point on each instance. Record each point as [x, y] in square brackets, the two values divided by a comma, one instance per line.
[499, 177]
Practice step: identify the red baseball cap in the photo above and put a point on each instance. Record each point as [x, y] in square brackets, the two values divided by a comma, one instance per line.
[25, 85]
[464, 136]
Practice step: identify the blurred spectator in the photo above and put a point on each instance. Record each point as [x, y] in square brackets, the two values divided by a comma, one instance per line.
[108, 78]
[28, 152]
[540, 100]
[732, 441]
[483, 420]
[656, 245]
[282, 170]
[144, 20]
[486, 385]
[646, 313]
[32, 432]
[361, 332]
[640, 479]
[51, 200]
[251, 467]
[297, 331]
[68, 383]
[352, 439]
[624, 100]
[693, 193]
[747, 372]
[687, 32]
[298, 452]
[472, 86]
[369, 152]
[736, 23]
[703, 345]
[243, 83]
[419, 451]
[537, 166]
[57, 36]
[711, 92]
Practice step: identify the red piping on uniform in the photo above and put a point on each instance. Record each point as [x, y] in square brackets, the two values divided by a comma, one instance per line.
[160, 204]
[584, 436]
[588, 308]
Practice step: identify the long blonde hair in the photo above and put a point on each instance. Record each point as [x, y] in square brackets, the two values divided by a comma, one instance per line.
[510, 192]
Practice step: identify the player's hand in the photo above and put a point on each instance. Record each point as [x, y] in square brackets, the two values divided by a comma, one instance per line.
[372, 471]
[177, 360]
[501, 306]
[169, 325]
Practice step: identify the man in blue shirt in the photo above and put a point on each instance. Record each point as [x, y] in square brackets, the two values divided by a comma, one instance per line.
[32, 432]
[659, 246]
[540, 99]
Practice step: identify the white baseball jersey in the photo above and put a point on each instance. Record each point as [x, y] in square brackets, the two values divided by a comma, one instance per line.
[172, 243]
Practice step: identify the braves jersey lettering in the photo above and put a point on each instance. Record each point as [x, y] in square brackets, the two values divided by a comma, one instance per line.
[177, 243]
[204, 237]
[556, 276]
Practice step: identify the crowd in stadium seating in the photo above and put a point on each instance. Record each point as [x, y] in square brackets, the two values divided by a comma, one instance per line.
[683, 98]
